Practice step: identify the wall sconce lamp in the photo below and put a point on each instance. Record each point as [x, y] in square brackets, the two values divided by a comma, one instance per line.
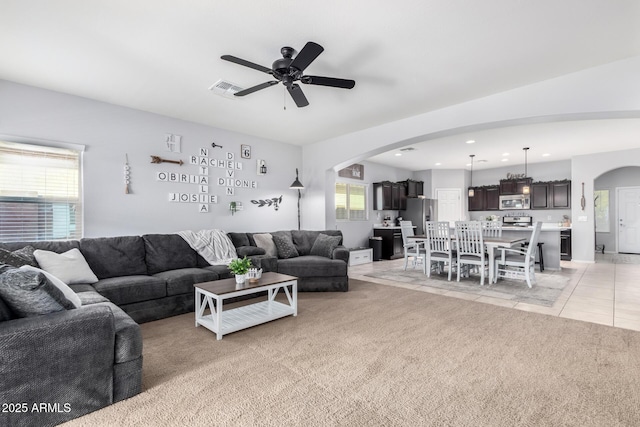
[261, 167]
[297, 185]
[471, 191]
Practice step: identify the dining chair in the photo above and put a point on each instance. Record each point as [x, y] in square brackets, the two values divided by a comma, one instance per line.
[470, 247]
[491, 228]
[439, 248]
[519, 263]
[412, 248]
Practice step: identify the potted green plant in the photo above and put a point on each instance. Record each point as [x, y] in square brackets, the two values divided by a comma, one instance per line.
[240, 267]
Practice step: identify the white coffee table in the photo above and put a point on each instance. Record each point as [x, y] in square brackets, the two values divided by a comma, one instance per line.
[222, 322]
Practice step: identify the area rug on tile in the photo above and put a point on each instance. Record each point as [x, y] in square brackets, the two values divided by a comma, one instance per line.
[386, 356]
[545, 292]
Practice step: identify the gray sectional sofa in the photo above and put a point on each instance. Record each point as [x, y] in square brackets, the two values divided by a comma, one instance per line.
[87, 358]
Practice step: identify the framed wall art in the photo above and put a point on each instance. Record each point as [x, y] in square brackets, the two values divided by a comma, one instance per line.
[245, 151]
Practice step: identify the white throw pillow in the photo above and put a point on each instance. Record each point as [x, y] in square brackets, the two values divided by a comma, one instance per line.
[66, 290]
[265, 241]
[70, 267]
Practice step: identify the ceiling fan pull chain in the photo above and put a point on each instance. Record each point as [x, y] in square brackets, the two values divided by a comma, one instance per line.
[284, 98]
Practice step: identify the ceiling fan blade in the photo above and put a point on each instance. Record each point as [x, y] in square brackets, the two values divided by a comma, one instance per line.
[328, 81]
[309, 52]
[246, 63]
[297, 95]
[256, 88]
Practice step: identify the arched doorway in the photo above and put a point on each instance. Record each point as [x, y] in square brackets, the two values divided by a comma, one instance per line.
[617, 210]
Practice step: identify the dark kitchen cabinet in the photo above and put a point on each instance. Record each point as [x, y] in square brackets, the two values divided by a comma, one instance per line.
[485, 198]
[492, 198]
[551, 195]
[540, 196]
[389, 196]
[477, 202]
[565, 245]
[414, 188]
[514, 186]
[382, 196]
[392, 247]
[560, 193]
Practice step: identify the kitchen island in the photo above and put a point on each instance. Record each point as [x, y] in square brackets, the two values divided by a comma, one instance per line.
[549, 235]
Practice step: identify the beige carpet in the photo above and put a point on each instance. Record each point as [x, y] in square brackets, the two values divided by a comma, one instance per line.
[386, 356]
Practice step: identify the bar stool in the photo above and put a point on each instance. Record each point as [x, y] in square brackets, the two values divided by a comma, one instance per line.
[540, 256]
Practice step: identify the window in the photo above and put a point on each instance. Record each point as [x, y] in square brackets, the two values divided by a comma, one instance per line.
[351, 202]
[601, 203]
[40, 193]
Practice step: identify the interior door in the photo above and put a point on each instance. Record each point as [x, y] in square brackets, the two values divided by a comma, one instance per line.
[629, 220]
[449, 204]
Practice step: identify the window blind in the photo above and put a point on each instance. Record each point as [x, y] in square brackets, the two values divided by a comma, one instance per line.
[40, 193]
[351, 202]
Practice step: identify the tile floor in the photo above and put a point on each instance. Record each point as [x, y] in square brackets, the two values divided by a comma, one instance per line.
[606, 292]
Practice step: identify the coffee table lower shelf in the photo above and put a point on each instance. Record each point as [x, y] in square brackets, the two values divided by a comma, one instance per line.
[245, 317]
[212, 295]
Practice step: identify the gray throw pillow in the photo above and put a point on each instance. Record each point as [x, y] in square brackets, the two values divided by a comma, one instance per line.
[29, 293]
[243, 251]
[18, 258]
[324, 245]
[285, 247]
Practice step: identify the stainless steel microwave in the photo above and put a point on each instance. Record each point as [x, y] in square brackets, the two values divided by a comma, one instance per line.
[515, 201]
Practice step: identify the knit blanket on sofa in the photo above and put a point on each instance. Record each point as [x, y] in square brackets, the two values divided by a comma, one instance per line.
[213, 245]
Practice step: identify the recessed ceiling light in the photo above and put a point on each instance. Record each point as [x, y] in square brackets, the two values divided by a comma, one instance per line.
[438, 164]
[471, 141]
[398, 154]
[482, 161]
[505, 154]
[505, 160]
[546, 155]
[468, 164]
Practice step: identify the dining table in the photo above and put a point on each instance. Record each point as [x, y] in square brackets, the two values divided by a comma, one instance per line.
[490, 244]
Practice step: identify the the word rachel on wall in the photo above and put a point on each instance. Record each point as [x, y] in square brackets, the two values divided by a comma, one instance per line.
[206, 164]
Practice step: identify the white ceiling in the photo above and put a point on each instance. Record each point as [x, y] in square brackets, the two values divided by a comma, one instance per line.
[407, 58]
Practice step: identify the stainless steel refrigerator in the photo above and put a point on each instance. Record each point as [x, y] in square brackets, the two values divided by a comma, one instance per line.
[418, 211]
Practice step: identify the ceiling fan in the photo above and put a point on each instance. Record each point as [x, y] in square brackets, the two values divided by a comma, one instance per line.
[289, 70]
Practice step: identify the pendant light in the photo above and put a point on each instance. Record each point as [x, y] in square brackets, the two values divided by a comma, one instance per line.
[471, 191]
[525, 189]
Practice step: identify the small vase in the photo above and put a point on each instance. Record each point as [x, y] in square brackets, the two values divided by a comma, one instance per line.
[240, 278]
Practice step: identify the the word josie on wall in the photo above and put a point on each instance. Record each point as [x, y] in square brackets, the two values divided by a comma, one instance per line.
[203, 180]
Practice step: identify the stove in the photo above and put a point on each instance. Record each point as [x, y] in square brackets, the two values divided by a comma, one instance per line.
[517, 221]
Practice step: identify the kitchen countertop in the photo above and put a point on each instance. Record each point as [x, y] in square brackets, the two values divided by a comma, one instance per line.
[387, 227]
[545, 227]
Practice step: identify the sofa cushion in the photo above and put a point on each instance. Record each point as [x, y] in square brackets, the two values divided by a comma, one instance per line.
[304, 239]
[19, 257]
[58, 246]
[5, 312]
[284, 245]
[222, 271]
[243, 251]
[168, 252]
[66, 290]
[312, 266]
[70, 266]
[181, 281]
[128, 336]
[128, 289]
[239, 239]
[325, 245]
[265, 241]
[30, 293]
[91, 297]
[114, 256]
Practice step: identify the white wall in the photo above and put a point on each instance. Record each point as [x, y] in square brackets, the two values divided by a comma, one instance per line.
[585, 169]
[357, 233]
[607, 91]
[110, 131]
[623, 177]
